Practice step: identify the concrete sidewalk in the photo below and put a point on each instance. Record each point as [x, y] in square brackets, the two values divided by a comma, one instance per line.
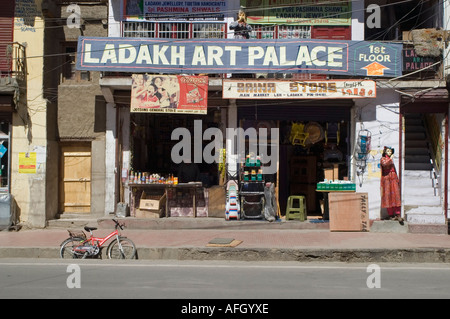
[257, 241]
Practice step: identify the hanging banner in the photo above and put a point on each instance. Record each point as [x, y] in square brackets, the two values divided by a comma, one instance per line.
[298, 12]
[169, 94]
[194, 56]
[211, 10]
[273, 89]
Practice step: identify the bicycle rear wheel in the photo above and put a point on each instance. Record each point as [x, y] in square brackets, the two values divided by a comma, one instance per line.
[122, 249]
[67, 247]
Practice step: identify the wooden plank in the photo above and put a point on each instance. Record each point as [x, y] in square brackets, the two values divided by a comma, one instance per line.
[79, 180]
[76, 205]
[217, 199]
[77, 154]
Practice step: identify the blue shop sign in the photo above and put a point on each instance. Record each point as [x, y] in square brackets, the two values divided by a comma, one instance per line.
[193, 56]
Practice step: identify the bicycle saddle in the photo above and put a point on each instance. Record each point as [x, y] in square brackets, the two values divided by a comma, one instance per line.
[86, 228]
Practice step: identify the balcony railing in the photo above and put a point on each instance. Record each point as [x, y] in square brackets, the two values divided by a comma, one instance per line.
[174, 30]
[280, 32]
[212, 30]
[12, 60]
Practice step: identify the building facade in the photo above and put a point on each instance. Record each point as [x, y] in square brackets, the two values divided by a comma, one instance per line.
[389, 119]
[51, 113]
[29, 142]
[87, 133]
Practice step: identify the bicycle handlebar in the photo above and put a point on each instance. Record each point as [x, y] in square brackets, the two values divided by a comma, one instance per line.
[118, 225]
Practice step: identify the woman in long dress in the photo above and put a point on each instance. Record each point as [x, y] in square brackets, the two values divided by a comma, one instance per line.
[390, 185]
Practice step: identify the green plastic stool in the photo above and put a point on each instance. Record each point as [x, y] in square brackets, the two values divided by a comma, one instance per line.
[297, 212]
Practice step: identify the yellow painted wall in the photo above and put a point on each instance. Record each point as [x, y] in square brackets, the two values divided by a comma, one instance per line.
[29, 122]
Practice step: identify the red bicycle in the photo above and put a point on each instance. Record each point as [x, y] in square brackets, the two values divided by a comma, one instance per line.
[79, 246]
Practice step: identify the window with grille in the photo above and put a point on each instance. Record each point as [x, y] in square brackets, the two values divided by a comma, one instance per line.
[261, 31]
[139, 30]
[68, 69]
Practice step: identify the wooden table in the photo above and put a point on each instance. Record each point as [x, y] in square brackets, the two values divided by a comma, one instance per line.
[165, 188]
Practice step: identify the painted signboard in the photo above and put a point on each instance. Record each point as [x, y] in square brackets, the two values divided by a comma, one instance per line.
[169, 94]
[413, 62]
[194, 56]
[273, 89]
[182, 10]
[298, 12]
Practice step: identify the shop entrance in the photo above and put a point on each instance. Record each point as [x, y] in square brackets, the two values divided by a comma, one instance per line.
[181, 190]
[313, 146]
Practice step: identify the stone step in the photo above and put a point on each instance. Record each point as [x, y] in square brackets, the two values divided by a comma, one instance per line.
[414, 127]
[425, 215]
[430, 200]
[416, 175]
[409, 151]
[389, 226]
[417, 158]
[415, 135]
[416, 143]
[418, 166]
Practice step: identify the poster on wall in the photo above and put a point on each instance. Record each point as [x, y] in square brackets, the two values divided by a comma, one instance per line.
[212, 10]
[169, 94]
[27, 162]
[274, 89]
[298, 12]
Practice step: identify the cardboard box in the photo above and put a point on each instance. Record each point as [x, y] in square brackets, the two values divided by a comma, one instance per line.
[331, 172]
[349, 211]
[152, 202]
[144, 213]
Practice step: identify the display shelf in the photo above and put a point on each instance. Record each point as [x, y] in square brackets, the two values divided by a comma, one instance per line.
[251, 190]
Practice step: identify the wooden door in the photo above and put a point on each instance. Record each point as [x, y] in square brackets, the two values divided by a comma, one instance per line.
[75, 185]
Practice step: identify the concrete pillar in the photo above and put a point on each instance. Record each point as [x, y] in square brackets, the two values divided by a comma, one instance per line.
[110, 158]
[125, 142]
[232, 148]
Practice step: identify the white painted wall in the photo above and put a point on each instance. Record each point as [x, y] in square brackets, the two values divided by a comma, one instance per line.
[358, 20]
[379, 116]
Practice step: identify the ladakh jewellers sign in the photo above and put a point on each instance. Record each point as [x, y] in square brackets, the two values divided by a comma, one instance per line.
[193, 56]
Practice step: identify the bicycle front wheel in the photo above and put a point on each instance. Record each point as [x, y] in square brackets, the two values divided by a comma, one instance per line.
[67, 247]
[123, 248]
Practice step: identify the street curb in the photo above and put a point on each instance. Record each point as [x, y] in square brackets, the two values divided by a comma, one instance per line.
[301, 255]
[414, 255]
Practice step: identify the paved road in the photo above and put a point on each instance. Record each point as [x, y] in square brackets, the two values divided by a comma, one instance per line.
[190, 280]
